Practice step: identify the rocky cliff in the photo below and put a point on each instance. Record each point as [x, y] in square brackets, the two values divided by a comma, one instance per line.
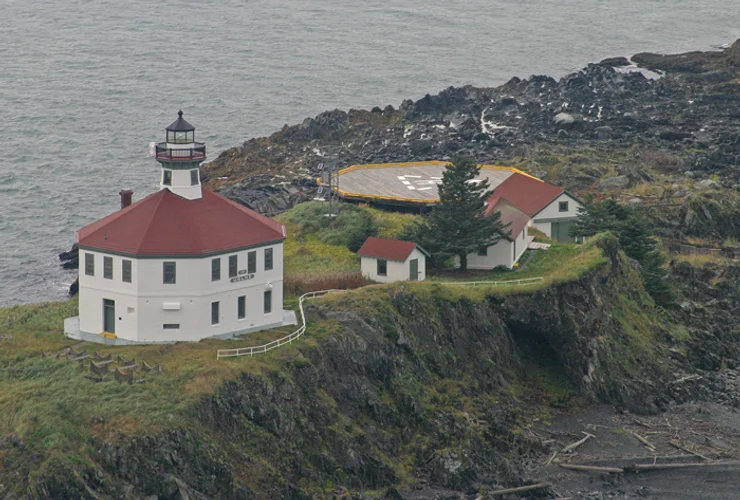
[412, 385]
[604, 128]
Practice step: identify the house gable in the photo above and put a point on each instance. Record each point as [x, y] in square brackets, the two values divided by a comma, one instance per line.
[552, 211]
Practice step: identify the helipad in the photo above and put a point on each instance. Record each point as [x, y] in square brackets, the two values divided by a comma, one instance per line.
[404, 183]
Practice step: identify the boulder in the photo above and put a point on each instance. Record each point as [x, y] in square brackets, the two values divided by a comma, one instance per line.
[615, 62]
[604, 132]
[564, 119]
[709, 184]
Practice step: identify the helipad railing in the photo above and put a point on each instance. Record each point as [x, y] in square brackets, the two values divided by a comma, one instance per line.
[288, 339]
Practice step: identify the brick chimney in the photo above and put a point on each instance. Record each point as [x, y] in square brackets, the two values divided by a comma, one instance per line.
[126, 195]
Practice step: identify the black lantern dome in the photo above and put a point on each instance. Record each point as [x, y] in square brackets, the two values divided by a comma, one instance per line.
[180, 145]
[180, 131]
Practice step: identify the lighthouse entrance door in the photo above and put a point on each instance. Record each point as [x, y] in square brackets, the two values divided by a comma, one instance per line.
[109, 316]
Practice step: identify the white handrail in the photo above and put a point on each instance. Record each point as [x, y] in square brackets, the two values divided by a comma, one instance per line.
[261, 349]
[288, 339]
[522, 282]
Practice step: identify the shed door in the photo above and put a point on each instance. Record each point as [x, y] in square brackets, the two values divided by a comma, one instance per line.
[109, 316]
[414, 269]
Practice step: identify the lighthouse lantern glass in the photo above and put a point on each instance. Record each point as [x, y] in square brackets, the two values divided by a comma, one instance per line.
[179, 137]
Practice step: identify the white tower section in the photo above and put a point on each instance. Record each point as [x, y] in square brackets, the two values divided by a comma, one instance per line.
[180, 157]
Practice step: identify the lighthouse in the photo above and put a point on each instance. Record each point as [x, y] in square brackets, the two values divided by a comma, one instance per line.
[180, 157]
[181, 264]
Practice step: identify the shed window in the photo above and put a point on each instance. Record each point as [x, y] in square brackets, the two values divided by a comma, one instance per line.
[171, 326]
[233, 265]
[241, 307]
[215, 313]
[563, 206]
[382, 267]
[252, 262]
[268, 259]
[169, 273]
[167, 177]
[483, 251]
[126, 270]
[216, 269]
[108, 268]
[268, 301]
[194, 177]
[90, 264]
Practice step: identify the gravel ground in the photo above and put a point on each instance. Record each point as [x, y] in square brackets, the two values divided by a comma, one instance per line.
[701, 430]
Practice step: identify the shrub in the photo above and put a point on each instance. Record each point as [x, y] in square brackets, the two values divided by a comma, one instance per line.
[662, 161]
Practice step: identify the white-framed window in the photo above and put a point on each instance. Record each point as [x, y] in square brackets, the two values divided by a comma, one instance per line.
[169, 273]
[233, 266]
[252, 262]
[171, 326]
[108, 267]
[241, 307]
[167, 177]
[563, 206]
[216, 269]
[215, 312]
[126, 271]
[268, 259]
[382, 267]
[194, 177]
[268, 301]
[90, 264]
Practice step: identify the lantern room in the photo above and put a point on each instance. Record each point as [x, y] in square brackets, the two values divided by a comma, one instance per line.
[180, 131]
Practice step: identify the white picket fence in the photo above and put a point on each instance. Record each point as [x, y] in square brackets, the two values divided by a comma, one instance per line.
[288, 339]
[261, 349]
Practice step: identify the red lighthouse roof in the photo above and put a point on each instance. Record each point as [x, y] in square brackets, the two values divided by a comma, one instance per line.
[165, 224]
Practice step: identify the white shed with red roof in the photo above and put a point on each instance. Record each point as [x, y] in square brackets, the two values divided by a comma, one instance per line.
[385, 260]
[182, 264]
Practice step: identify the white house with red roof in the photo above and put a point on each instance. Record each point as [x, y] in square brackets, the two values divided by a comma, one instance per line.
[385, 260]
[507, 251]
[182, 264]
[550, 208]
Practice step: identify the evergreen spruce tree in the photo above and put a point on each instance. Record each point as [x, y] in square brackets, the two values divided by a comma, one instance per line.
[458, 224]
[634, 236]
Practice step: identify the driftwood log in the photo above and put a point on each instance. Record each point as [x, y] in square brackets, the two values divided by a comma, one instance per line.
[521, 489]
[651, 467]
[641, 439]
[574, 446]
[592, 468]
[678, 445]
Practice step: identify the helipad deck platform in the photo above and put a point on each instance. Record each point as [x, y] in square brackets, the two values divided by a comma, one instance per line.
[411, 183]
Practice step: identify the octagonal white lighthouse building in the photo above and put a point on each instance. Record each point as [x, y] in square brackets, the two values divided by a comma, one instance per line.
[182, 264]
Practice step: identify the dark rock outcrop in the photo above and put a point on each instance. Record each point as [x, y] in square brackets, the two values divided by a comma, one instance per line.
[690, 113]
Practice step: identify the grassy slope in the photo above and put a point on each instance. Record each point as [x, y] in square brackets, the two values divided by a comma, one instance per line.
[54, 409]
[317, 245]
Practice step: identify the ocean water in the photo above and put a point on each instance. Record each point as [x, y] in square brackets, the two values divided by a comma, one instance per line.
[85, 85]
